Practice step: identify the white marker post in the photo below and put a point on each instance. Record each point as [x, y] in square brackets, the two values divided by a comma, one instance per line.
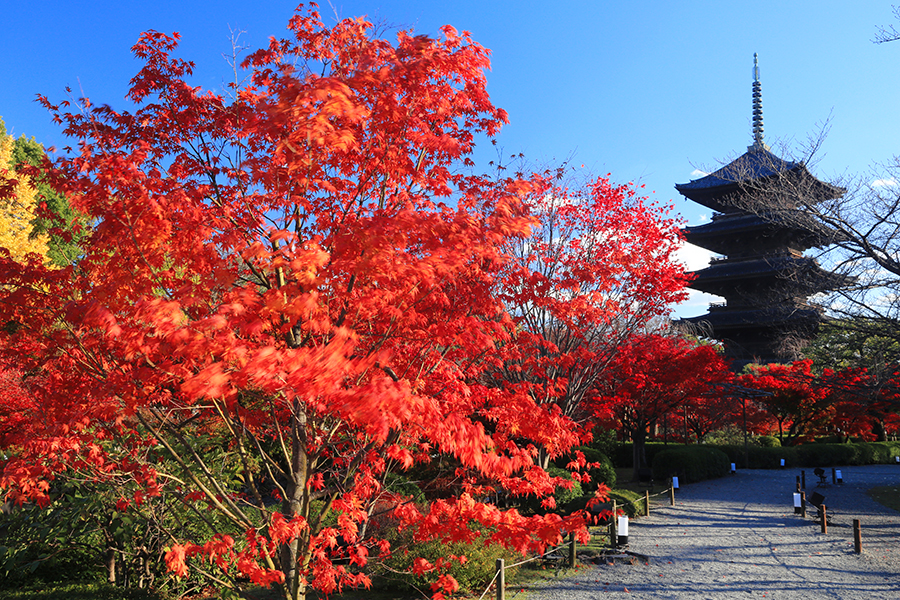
[622, 540]
[796, 503]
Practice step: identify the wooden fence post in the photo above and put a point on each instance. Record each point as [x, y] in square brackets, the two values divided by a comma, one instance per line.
[671, 493]
[823, 514]
[572, 559]
[613, 537]
[646, 503]
[857, 536]
[803, 504]
[798, 483]
[501, 579]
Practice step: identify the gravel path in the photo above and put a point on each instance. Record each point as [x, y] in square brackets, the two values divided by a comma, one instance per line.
[738, 537]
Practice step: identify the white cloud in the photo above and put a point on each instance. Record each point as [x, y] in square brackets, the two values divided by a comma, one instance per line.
[704, 218]
[696, 304]
[693, 257]
[697, 174]
[883, 183]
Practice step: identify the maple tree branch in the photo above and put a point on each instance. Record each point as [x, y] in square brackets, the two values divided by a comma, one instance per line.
[238, 436]
[189, 472]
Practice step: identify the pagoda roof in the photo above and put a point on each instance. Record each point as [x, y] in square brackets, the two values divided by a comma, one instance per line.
[719, 189]
[803, 272]
[756, 163]
[725, 231]
[767, 265]
[722, 321]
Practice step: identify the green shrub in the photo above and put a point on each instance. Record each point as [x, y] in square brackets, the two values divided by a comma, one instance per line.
[628, 502]
[473, 576]
[631, 503]
[767, 441]
[729, 435]
[691, 463]
[604, 473]
[77, 591]
[562, 495]
[605, 441]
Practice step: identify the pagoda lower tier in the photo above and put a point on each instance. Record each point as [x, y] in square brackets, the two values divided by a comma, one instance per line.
[757, 334]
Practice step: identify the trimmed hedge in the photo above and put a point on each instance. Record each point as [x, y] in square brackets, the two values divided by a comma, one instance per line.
[760, 457]
[814, 455]
[691, 463]
[623, 454]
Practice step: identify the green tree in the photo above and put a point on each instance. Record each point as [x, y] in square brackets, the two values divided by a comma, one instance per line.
[59, 222]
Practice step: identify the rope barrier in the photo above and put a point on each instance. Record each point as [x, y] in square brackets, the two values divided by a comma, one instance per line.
[489, 585]
[534, 558]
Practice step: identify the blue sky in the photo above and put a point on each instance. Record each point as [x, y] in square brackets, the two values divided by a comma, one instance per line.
[647, 91]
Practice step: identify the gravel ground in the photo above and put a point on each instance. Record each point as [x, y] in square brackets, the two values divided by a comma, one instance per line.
[738, 537]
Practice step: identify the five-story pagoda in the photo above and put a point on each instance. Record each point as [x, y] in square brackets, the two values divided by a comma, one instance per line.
[761, 235]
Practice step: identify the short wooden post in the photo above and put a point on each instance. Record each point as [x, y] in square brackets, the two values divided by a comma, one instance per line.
[613, 534]
[501, 579]
[671, 493]
[798, 483]
[833, 476]
[646, 503]
[802, 504]
[572, 562]
[857, 536]
[823, 515]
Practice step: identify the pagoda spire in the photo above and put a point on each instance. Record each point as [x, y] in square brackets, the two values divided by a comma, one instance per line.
[758, 143]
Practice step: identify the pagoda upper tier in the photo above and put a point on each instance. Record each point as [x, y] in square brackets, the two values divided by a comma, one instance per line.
[730, 233]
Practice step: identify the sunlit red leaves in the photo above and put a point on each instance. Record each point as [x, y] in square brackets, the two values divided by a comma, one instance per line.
[285, 271]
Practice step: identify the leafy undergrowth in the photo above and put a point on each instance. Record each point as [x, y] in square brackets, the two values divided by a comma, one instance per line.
[75, 591]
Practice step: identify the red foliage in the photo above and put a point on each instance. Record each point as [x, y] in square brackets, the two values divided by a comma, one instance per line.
[799, 403]
[297, 279]
[598, 267]
[652, 377]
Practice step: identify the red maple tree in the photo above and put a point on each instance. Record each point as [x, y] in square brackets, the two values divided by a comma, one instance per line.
[654, 376]
[798, 403]
[299, 284]
[598, 269]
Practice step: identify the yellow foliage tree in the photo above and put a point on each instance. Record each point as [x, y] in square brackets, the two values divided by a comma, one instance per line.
[17, 209]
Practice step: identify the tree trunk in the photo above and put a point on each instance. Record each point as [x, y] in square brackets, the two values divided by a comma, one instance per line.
[109, 561]
[295, 504]
[638, 451]
[543, 458]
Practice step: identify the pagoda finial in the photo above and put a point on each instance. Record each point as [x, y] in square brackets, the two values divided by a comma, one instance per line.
[758, 143]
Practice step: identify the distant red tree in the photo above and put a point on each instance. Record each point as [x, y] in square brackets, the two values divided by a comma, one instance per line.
[799, 403]
[653, 376]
